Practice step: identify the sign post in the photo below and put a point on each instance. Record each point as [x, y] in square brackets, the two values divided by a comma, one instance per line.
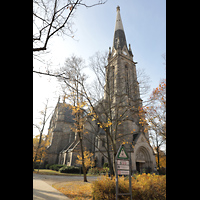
[122, 167]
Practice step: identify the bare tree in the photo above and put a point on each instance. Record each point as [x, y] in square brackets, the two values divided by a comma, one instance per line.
[156, 118]
[54, 17]
[144, 82]
[44, 117]
[108, 116]
[97, 63]
[73, 91]
[77, 91]
[111, 113]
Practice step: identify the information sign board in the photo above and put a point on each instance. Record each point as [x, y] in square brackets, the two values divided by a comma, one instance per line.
[122, 172]
[122, 153]
[123, 162]
[122, 166]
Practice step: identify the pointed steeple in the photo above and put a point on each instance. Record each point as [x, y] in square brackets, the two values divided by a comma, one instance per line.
[119, 36]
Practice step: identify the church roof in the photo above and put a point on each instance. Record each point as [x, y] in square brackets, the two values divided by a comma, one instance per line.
[69, 117]
[70, 146]
[136, 136]
[65, 109]
[119, 36]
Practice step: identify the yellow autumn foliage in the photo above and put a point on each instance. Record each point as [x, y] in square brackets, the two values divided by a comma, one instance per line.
[144, 187]
[76, 190]
[88, 159]
[42, 150]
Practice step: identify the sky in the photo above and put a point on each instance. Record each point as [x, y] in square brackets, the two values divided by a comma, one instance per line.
[144, 23]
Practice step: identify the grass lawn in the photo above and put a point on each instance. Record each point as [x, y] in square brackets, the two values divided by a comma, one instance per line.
[77, 190]
[53, 172]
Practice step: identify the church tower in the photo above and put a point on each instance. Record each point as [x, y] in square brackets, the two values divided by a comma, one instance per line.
[123, 97]
[121, 69]
[122, 87]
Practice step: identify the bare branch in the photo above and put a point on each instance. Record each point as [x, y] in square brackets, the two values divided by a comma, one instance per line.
[52, 17]
[49, 74]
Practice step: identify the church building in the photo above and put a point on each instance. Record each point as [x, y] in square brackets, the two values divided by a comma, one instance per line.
[123, 96]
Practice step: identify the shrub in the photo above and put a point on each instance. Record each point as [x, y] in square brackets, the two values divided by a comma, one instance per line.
[55, 167]
[47, 166]
[152, 186]
[70, 169]
[105, 165]
[93, 171]
[144, 187]
[162, 171]
[103, 188]
[98, 171]
[36, 165]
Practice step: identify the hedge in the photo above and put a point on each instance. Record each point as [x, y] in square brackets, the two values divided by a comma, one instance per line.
[144, 187]
[70, 169]
[55, 167]
[98, 171]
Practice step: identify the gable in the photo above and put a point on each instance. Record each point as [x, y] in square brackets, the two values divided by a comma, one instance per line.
[139, 137]
[125, 51]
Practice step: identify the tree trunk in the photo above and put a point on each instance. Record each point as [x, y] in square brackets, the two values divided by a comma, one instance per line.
[114, 155]
[158, 153]
[40, 140]
[83, 163]
[109, 158]
[80, 134]
[158, 156]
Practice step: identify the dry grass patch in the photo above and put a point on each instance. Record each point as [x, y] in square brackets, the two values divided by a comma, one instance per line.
[47, 172]
[53, 172]
[75, 190]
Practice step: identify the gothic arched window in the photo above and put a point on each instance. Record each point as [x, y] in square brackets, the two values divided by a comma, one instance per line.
[103, 142]
[113, 80]
[102, 161]
[126, 80]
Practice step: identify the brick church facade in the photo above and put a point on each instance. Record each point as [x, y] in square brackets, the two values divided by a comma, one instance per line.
[123, 87]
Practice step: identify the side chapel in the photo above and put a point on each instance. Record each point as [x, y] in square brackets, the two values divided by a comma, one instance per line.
[121, 80]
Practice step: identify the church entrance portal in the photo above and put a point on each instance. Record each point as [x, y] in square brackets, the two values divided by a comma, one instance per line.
[140, 167]
[143, 161]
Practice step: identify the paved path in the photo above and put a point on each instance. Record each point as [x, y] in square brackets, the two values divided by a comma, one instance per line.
[42, 186]
[42, 190]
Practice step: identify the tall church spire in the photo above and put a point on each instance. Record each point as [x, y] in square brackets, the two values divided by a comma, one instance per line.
[119, 36]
